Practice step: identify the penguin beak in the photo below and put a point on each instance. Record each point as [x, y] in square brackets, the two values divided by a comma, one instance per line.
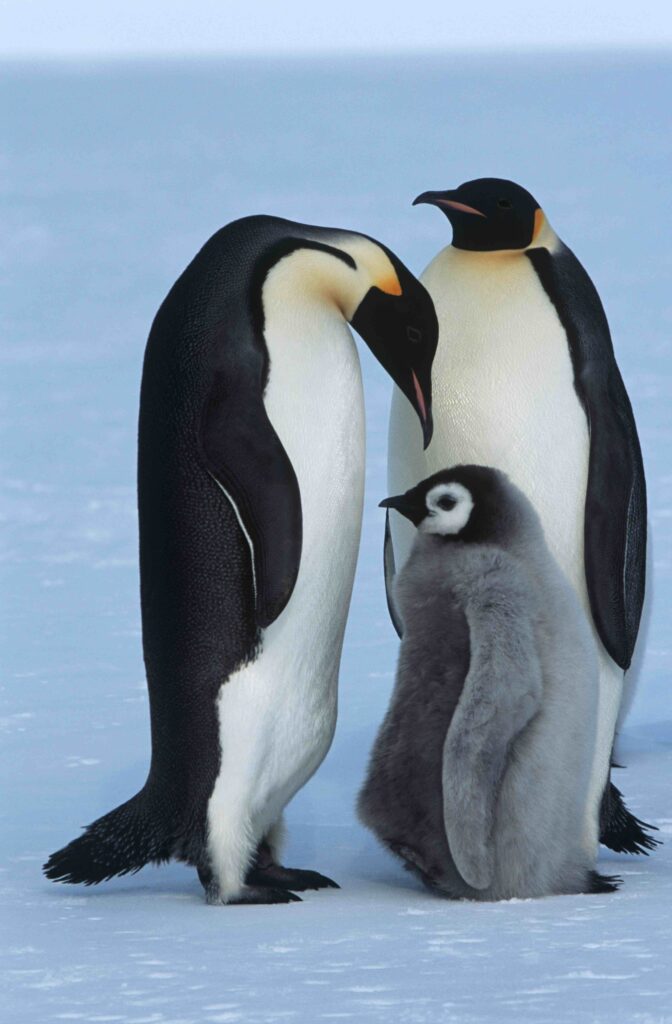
[446, 202]
[407, 504]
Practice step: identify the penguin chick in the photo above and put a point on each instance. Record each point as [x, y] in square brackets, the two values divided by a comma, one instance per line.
[479, 774]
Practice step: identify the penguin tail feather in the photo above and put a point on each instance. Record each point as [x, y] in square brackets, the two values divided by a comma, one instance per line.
[603, 883]
[119, 843]
[620, 830]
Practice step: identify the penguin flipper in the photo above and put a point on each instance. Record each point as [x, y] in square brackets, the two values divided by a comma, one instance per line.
[390, 572]
[615, 527]
[501, 693]
[245, 456]
[615, 512]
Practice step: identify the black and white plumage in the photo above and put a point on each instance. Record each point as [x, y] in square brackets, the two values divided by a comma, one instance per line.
[526, 380]
[478, 777]
[250, 484]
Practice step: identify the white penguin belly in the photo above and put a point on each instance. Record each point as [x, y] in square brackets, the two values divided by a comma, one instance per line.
[503, 395]
[277, 715]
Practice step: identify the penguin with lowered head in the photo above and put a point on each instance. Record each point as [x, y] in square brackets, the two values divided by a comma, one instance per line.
[525, 379]
[250, 486]
[479, 775]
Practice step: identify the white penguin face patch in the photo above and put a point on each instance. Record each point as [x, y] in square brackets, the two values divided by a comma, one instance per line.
[449, 507]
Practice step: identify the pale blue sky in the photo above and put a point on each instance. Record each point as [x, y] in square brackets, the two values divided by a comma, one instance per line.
[87, 27]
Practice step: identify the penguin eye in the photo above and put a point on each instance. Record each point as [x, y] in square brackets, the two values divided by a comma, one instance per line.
[414, 335]
[504, 204]
[446, 503]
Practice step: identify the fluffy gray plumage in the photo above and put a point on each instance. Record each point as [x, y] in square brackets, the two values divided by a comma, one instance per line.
[478, 777]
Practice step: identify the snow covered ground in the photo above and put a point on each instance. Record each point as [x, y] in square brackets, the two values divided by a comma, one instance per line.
[110, 178]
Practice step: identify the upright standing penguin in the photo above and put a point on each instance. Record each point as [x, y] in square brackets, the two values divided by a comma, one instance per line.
[250, 483]
[479, 774]
[525, 380]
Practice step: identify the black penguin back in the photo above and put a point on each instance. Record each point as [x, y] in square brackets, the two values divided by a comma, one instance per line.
[196, 579]
[197, 588]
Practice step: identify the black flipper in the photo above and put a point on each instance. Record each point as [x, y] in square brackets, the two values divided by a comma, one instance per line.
[620, 830]
[615, 514]
[390, 571]
[246, 458]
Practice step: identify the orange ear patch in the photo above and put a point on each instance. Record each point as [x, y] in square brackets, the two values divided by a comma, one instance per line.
[539, 220]
[390, 285]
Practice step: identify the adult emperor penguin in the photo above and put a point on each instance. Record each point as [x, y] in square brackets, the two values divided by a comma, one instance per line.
[250, 482]
[479, 775]
[526, 380]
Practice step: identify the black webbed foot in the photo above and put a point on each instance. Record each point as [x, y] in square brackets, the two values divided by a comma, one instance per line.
[598, 883]
[263, 894]
[290, 878]
[250, 894]
[265, 872]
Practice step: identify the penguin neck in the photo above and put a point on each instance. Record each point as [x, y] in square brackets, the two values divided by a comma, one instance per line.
[544, 238]
[305, 334]
[314, 401]
[317, 284]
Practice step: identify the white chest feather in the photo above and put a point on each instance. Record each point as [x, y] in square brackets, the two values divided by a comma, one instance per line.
[277, 715]
[503, 395]
[315, 402]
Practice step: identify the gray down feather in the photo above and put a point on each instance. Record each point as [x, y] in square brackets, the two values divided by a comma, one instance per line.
[479, 774]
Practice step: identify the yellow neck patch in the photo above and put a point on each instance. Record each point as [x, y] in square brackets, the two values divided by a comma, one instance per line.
[390, 285]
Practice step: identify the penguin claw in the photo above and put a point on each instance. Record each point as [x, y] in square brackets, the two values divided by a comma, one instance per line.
[266, 894]
[314, 880]
[290, 878]
[598, 883]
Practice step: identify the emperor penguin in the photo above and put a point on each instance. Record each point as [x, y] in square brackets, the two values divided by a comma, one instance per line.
[479, 775]
[250, 485]
[525, 380]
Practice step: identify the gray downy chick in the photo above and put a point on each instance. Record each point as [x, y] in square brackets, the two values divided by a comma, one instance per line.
[479, 774]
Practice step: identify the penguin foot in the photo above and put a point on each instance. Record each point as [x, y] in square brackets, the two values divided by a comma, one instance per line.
[265, 871]
[603, 883]
[264, 894]
[250, 894]
[289, 878]
[259, 893]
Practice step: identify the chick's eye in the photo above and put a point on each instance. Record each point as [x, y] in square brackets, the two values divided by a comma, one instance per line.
[504, 204]
[446, 503]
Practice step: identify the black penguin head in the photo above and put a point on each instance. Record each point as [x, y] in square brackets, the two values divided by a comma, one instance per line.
[475, 504]
[377, 294]
[489, 214]
[402, 331]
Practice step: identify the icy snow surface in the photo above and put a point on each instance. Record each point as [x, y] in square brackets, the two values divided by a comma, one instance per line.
[111, 177]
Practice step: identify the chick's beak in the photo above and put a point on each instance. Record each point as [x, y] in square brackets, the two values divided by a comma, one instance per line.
[405, 504]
